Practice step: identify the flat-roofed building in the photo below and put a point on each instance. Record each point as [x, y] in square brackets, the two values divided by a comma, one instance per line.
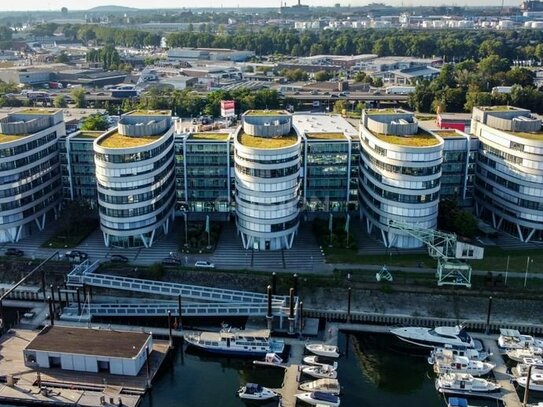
[135, 175]
[89, 350]
[30, 184]
[509, 182]
[400, 171]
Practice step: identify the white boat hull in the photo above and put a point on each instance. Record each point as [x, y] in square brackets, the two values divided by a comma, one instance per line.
[319, 349]
[536, 382]
[307, 398]
[330, 386]
[319, 372]
[264, 394]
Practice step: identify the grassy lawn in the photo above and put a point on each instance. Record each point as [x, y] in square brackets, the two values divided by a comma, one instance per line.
[495, 259]
[60, 240]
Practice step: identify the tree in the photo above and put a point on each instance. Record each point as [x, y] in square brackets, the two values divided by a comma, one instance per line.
[493, 64]
[520, 76]
[360, 76]
[64, 10]
[95, 122]
[322, 76]
[60, 101]
[78, 96]
[62, 58]
[340, 106]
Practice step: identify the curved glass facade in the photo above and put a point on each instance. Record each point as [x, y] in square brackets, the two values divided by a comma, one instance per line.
[136, 189]
[267, 183]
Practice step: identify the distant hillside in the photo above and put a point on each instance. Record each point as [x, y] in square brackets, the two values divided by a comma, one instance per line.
[111, 9]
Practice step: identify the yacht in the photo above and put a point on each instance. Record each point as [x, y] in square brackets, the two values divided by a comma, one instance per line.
[436, 337]
[536, 381]
[513, 339]
[518, 355]
[319, 398]
[521, 369]
[236, 342]
[461, 364]
[449, 351]
[314, 360]
[461, 383]
[321, 349]
[252, 391]
[320, 372]
[323, 385]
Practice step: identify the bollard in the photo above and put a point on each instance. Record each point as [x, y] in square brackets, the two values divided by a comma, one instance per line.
[269, 315]
[349, 293]
[51, 314]
[489, 310]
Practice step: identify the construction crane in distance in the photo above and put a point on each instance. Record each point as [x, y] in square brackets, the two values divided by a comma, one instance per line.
[447, 250]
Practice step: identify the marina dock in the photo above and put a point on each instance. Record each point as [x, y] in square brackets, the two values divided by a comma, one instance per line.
[54, 386]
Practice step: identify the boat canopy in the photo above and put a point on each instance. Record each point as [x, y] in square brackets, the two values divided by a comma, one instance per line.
[252, 388]
[457, 402]
[319, 395]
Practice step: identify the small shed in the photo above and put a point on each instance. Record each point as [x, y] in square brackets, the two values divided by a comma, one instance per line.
[89, 350]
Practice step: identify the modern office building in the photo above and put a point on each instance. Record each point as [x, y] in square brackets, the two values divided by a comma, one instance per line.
[135, 176]
[509, 181]
[30, 185]
[400, 171]
[267, 179]
[77, 166]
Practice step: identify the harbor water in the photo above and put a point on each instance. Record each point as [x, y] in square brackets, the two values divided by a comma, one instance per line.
[372, 373]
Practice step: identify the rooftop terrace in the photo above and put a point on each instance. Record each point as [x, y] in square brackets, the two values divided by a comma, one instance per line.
[149, 113]
[326, 136]
[537, 136]
[421, 139]
[5, 138]
[447, 133]
[381, 111]
[267, 142]
[89, 134]
[36, 110]
[210, 136]
[116, 140]
[266, 113]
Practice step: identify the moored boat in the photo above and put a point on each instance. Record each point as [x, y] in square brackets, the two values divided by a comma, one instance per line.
[253, 391]
[536, 381]
[461, 383]
[323, 385]
[513, 339]
[518, 355]
[319, 398]
[321, 349]
[436, 337]
[236, 342]
[315, 361]
[461, 364]
[448, 350]
[320, 372]
[521, 369]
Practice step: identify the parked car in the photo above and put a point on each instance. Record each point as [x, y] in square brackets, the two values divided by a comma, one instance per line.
[204, 264]
[76, 254]
[118, 258]
[12, 251]
[171, 261]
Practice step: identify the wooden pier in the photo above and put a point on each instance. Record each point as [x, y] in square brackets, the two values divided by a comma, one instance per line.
[69, 388]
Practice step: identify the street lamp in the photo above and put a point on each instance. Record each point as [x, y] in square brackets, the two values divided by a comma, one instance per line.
[528, 262]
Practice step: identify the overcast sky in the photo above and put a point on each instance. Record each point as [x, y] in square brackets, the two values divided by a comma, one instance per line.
[7, 5]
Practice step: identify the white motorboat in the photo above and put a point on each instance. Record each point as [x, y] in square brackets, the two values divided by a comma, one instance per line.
[513, 339]
[321, 349]
[462, 383]
[518, 355]
[253, 391]
[436, 337]
[319, 398]
[461, 364]
[536, 381]
[315, 361]
[449, 351]
[320, 372]
[521, 369]
[236, 342]
[323, 385]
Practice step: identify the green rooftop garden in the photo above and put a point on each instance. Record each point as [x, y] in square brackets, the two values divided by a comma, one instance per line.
[421, 139]
[36, 110]
[325, 136]
[4, 138]
[210, 136]
[538, 136]
[267, 142]
[149, 113]
[502, 108]
[266, 113]
[381, 111]
[447, 133]
[89, 134]
[116, 140]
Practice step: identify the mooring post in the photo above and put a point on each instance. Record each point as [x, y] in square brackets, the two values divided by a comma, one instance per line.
[274, 283]
[527, 389]
[78, 294]
[349, 295]
[269, 315]
[291, 319]
[180, 313]
[51, 312]
[148, 365]
[170, 326]
[295, 284]
[52, 295]
[489, 310]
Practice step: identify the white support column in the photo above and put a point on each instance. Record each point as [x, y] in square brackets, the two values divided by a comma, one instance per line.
[145, 243]
[152, 238]
[519, 230]
[18, 234]
[38, 224]
[106, 238]
[494, 221]
[44, 217]
[530, 235]
[500, 222]
[292, 239]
